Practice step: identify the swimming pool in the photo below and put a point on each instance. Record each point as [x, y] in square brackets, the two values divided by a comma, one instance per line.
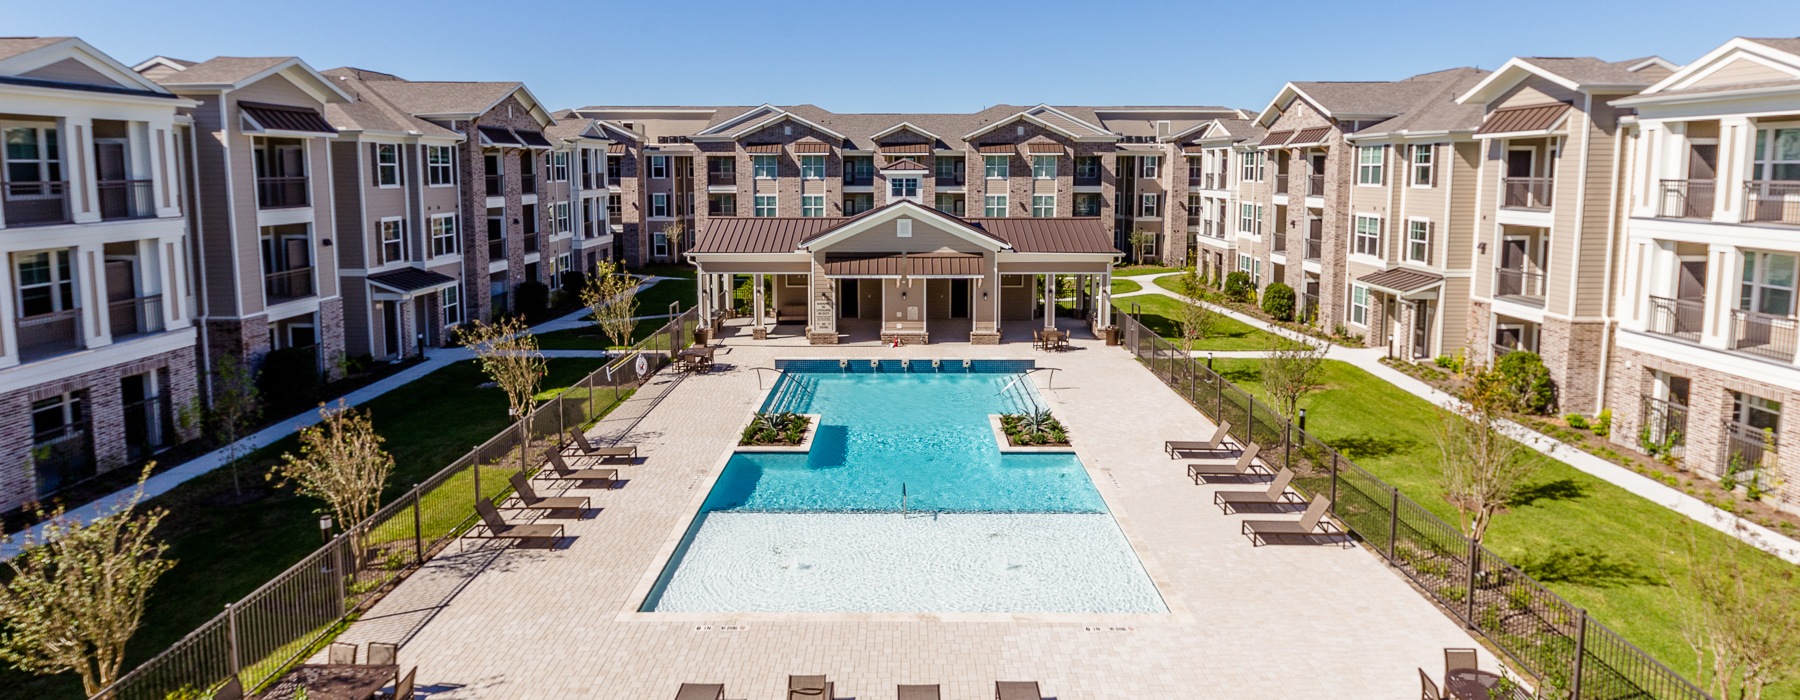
[904, 504]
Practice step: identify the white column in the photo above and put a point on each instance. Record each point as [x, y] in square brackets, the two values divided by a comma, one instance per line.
[1106, 299]
[1724, 267]
[1049, 301]
[756, 299]
[1737, 161]
[90, 283]
[76, 138]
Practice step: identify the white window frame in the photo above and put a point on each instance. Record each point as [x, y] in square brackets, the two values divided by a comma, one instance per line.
[812, 167]
[1765, 162]
[1359, 305]
[1426, 168]
[1369, 165]
[559, 166]
[1043, 167]
[1249, 219]
[440, 166]
[1243, 262]
[1149, 204]
[1755, 281]
[59, 279]
[1149, 167]
[1093, 163]
[764, 166]
[995, 203]
[659, 205]
[994, 162]
[1418, 235]
[659, 244]
[1043, 205]
[758, 206]
[443, 235]
[904, 187]
[659, 167]
[812, 205]
[450, 298]
[387, 173]
[559, 218]
[390, 230]
[49, 163]
[1361, 238]
[1250, 166]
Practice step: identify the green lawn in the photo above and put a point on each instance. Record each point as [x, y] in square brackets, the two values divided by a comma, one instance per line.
[1135, 270]
[1172, 284]
[589, 337]
[682, 271]
[1124, 286]
[657, 298]
[226, 545]
[1160, 313]
[1602, 548]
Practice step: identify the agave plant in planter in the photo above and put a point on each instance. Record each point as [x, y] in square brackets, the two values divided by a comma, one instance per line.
[776, 429]
[1034, 428]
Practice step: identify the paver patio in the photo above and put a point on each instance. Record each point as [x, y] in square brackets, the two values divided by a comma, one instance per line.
[1244, 622]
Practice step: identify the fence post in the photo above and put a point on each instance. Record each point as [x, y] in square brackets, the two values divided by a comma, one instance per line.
[1287, 439]
[418, 528]
[231, 640]
[337, 569]
[1218, 398]
[1580, 652]
[1334, 480]
[1393, 520]
[1474, 573]
[524, 438]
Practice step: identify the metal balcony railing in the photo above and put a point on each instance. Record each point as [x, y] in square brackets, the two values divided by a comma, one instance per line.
[721, 177]
[1315, 248]
[1519, 285]
[1772, 201]
[49, 334]
[126, 199]
[496, 249]
[1527, 192]
[1764, 335]
[1086, 179]
[528, 184]
[281, 192]
[1279, 242]
[531, 242]
[1687, 199]
[1315, 185]
[950, 180]
[1281, 183]
[35, 203]
[495, 184]
[296, 283]
[135, 316]
[1665, 424]
[1680, 318]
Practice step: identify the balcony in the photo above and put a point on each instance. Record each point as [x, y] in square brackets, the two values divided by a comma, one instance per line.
[1089, 179]
[1765, 201]
[1196, 180]
[286, 285]
[528, 184]
[1687, 199]
[1278, 242]
[1315, 239]
[950, 180]
[1764, 335]
[859, 179]
[1750, 453]
[721, 177]
[36, 203]
[1527, 192]
[284, 192]
[135, 316]
[1281, 183]
[496, 249]
[1678, 318]
[1665, 423]
[45, 335]
[1315, 185]
[531, 242]
[495, 184]
[1519, 285]
[126, 199]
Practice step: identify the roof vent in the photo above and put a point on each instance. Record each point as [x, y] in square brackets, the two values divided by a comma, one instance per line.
[1021, 128]
[903, 228]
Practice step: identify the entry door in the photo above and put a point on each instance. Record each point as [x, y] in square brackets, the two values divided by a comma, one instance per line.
[121, 285]
[1513, 253]
[390, 329]
[1421, 334]
[110, 166]
[959, 298]
[847, 299]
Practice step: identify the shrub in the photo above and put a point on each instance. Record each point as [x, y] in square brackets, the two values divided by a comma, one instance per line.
[1603, 422]
[290, 377]
[573, 281]
[1454, 363]
[1530, 381]
[1576, 421]
[775, 429]
[1238, 287]
[531, 300]
[1278, 301]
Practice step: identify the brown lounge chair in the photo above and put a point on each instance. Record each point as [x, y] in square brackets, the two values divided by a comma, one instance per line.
[1276, 494]
[1017, 690]
[1309, 523]
[529, 499]
[1218, 441]
[701, 691]
[579, 446]
[1243, 466]
[559, 469]
[809, 688]
[499, 529]
[919, 692]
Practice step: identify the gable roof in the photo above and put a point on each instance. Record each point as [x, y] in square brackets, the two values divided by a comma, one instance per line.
[903, 126]
[456, 99]
[22, 55]
[758, 118]
[233, 72]
[1581, 74]
[1774, 64]
[370, 112]
[1050, 118]
[894, 210]
[1436, 112]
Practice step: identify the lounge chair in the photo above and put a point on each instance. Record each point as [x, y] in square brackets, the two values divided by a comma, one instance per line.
[579, 446]
[809, 688]
[701, 691]
[1427, 689]
[1017, 690]
[1243, 466]
[559, 469]
[1309, 523]
[529, 499]
[919, 692]
[499, 529]
[341, 654]
[1220, 438]
[1276, 494]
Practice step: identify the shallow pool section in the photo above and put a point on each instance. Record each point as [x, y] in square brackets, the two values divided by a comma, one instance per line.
[904, 504]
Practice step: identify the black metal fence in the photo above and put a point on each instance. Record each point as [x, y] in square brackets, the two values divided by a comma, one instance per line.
[286, 619]
[1569, 655]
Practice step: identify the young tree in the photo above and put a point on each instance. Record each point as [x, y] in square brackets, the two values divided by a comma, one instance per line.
[1289, 371]
[611, 296]
[76, 592]
[1483, 468]
[1741, 620]
[508, 354]
[675, 233]
[1140, 240]
[340, 462]
[236, 406]
[1197, 318]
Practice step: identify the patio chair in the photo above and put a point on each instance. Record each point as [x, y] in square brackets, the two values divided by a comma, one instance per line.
[383, 654]
[341, 654]
[1037, 339]
[1220, 438]
[579, 446]
[529, 499]
[1427, 689]
[1245, 464]
[1017, 690]
[1459, 659]
[1277, 494]
[559, 469]
[701, 691]
[499, 529]
[809, 688]
[919, 692]
[404, 689]
[1310, 523]
[232, 690]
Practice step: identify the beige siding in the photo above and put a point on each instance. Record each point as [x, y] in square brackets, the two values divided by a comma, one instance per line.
[1534, 91]
[1596, 216]
[1741, 71]
[275, 90]
[1458, 235]
[926, 237]
[70, 70]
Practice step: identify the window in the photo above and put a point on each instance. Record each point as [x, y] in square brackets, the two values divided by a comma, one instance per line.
[659, 244]
[1256, 273]
[1368, 164]
[903, 188]
[1087, 168]
[858, 169]
[1249, 219]
[1359, 305]
[1196, 167]
[1367, 240]
[440, 167]
[557, 267]
[762, 166]
[559, 166]
[387, 164]
[559, 218]
[1043, 167]
[451, 299]
[812, 205]
[615, 207]
[1043, 205]
[996, 167]
[1087, 204]
[812, 167]
[721, 168]
[659, 167]
[614, 166]
[1150, 166]
[32, 155]
[393, 241]
[947, 203]
[858, 203]
[1418, 241]
[46, 283]
[1151, 204]
[1250, 168]
[1243, 262]
[1777, 154]
[765, 205]
[721, 205]
[659, 205]
[443, 235]
[1768, 284]
[1421, 165]
[949, 169]
[995, 206]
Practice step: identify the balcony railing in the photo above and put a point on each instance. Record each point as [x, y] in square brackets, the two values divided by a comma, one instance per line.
[1315, 185]
[528, 184]
[1086, 179]
[950, 180]
[1279, 242]
[495, 184]
[1196, 180]
[1767, 201]
[1527, 192]
[126, 199]
[1315, 249]
[281, 192]
[1665, 425]
[531, 242]
[62, 457]
[856, 180]
[288, 284]
[136, 316]
[1519, 285]
[496, 249]
[1212, 181]
[1680, 318]
[1503, 350]
[35, 203]
[1764, 335]
[49, 334]
[1687, 199]
[1750, 454]
[721, 177]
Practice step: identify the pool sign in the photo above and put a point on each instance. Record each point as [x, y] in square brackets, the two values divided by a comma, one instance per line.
[641, 366]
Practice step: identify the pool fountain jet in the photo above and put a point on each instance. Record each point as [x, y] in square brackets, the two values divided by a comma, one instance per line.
[937, 365]
[843, 365]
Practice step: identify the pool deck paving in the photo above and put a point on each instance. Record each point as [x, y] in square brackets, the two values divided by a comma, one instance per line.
[1279, 621]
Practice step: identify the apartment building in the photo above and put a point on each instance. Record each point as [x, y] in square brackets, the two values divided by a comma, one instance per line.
[1216, 154]
[676, 169]
[97, 349]
[1703, 359]
[1547, 257]
[583, 235]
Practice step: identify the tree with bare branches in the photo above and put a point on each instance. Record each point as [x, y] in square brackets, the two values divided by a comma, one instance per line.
[341, 462]
[1741, 620]
[611, 296]
[76, 591]
[1196, 319]
[508, 354]
[1483, 467]
[236, 406]
[1289, 371]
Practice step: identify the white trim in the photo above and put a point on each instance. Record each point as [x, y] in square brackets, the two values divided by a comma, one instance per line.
[905, 207]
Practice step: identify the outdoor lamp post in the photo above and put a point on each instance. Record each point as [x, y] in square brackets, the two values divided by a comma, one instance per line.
[1302, 420]
[325, 527]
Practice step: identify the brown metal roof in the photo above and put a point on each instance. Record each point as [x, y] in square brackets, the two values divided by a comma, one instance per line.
[763, 148]
[906, 148]
[615, 148]
[811, 146]
[1050, 235]
[1044, 148]
[1193, 149]
[999, 148]
[761, 234]
[1401, 280]
[1275, 138]
[904, 164]
[905, 265]
[499, 136]
[284, 118]
[1510, 120]
[534, 139]
[1310, 136]
[411, 279]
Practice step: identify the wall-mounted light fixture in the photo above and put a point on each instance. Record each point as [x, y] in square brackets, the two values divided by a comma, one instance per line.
[1481, 248]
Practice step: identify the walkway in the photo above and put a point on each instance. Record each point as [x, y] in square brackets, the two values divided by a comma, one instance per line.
[1369, 360]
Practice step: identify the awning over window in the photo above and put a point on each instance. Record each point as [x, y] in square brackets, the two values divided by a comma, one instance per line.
[1044, 148]
[762, 148]
[999, 148]
[811, 146]
[905, 265]
[1522, 120]
[615, 148]
[903, 164]
[1401, 281]
[1311, 136]
[270, 117]
[1193, 149]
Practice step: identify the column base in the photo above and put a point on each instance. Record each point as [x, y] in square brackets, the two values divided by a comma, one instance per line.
[905, 338]
[821, 338]
[984, 338]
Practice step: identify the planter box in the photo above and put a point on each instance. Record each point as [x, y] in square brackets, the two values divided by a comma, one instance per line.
[812, 428]
[1006, 445]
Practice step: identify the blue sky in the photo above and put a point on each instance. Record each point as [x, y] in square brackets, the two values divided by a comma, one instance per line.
[919, 56]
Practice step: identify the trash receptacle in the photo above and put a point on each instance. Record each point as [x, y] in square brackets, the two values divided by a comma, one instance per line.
[1112, 335]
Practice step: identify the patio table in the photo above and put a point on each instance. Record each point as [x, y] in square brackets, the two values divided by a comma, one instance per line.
[696, 357]
[1473, 684]
[333, 681]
